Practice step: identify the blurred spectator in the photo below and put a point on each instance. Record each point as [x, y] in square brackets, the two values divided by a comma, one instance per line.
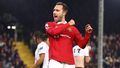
[9, 57]
[32, 44]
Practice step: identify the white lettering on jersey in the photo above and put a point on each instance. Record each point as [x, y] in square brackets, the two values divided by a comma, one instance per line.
[63, 35]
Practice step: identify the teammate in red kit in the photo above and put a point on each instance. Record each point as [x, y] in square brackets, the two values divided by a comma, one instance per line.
[61, 36]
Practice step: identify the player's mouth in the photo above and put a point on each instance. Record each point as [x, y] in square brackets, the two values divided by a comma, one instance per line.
[55, 17]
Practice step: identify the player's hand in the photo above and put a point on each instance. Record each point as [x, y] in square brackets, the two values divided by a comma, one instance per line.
[33, 66]
[71, 22]
[88, 28]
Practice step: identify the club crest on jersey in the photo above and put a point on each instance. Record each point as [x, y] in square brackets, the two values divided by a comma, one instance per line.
[69, 29]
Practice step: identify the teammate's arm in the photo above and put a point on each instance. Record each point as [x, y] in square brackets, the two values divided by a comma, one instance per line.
[87, 59]
[87, 54]
[40, 61]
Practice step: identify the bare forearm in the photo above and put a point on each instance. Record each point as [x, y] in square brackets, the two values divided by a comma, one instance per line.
[87, 59]
[35, 65]
[39, 62]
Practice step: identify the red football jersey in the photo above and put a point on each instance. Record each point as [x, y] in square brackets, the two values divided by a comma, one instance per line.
[61, 37]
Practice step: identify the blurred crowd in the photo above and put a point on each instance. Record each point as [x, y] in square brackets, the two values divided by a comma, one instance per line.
[9, 57]
[111, 51]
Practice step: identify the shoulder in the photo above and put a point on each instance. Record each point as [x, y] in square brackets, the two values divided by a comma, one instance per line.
[50, 23]
[39, 45]
[73, 27]
[42, 45]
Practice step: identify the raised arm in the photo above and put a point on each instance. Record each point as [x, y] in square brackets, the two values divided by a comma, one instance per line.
[82, 41]
[53, 28]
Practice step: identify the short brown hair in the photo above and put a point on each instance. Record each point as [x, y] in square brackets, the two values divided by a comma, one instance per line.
[65, 7]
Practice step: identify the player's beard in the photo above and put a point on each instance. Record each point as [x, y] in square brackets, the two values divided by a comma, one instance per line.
[58, 19]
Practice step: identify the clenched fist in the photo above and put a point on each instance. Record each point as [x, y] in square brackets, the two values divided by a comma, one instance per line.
[88, 28]
[71, 22]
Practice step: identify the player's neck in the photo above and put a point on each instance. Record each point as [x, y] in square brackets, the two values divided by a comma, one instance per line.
[63, 21]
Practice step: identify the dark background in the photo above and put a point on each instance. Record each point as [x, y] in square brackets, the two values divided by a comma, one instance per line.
[31, 15]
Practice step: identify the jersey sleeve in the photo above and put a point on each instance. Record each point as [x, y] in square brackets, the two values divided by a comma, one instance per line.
[55, 29]
[81, 41]
[42, 49]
